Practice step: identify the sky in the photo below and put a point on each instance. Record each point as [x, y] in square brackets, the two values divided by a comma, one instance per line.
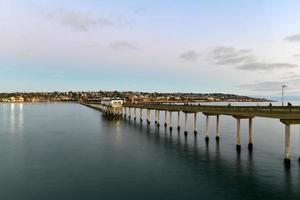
[242, 47]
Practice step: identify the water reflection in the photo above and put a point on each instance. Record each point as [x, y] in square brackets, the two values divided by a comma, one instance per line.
[12, 118]
[212, 161]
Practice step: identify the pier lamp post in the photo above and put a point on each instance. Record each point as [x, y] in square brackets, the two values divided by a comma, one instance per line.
[282, 94]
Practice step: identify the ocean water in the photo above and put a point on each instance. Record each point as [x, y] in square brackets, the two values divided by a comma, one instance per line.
[69, 151]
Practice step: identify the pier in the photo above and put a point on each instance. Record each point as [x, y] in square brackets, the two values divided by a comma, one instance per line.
[288, 115]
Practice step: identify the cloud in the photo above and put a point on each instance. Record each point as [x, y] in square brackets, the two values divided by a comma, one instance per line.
[230, 56]
[274, 87]
[265, 66]
[297, 55]
[291, 75]
[58, 76]
[122, 45]
[265, 86]
[189, 56]
[79, 21]
[243, 59]
[139, 11]
[293, 38]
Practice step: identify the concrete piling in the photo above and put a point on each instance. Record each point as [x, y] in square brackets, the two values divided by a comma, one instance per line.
[148, 116]
[185, 124]
[287, 158]
[195, 123]
[218, 127]
[207, 128]
[158, 118]
[170, 121]
[250, 144]
[134, 114]
[238, 135]
[166, 118]
[178, 120]
[129, 115]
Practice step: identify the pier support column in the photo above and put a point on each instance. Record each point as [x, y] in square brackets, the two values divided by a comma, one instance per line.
[158, 120]
[195, 123]
[178, 120]
[185, 124]
[238, 135]
[166, 119]
[134, 114]
[250, 145]
[207, 128]
[129, 116]
[218, 127]
[125, 109]
[155, 111]
[170, 121]
[141, 114]
[148, 116]
[287, 158]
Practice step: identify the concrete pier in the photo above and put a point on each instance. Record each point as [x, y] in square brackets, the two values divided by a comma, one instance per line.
[170, 121]
[185, 124]
[155, 112]
[287, 115]
[238, 135]
[207, 128]
[195, 123]
[250, 144]
[178, 120]
[166, 119]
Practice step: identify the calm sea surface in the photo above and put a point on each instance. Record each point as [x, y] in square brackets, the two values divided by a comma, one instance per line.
[68, 151]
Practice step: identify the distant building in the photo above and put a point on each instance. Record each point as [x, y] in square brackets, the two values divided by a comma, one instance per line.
[114, 102]
[20, 99]
[5, 100]
[12, 99]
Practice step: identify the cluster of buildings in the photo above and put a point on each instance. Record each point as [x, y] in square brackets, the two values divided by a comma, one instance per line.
[126, 95]
[17, 99]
